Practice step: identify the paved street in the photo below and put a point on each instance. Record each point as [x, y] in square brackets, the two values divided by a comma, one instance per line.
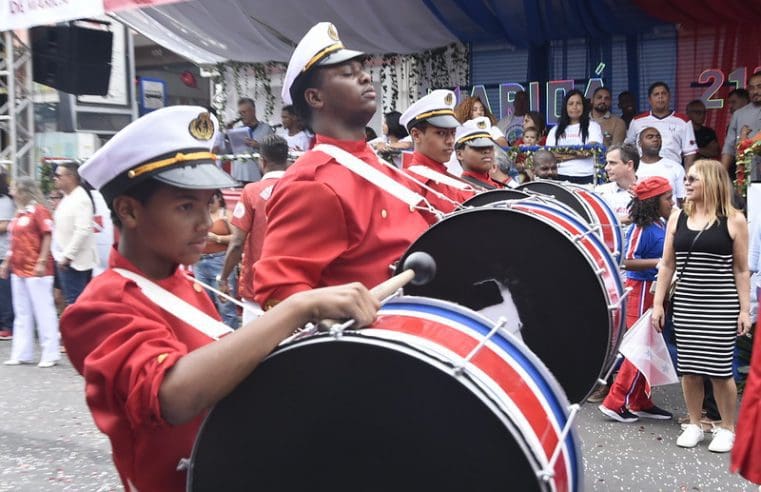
[49, 443]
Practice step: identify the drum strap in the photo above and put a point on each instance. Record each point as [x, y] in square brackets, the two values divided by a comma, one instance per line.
[177, 307]
[366, 171]
[429, 173]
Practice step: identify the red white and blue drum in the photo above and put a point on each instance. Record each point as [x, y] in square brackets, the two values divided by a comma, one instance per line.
[542, 268]
[425, 399]
[589, 206]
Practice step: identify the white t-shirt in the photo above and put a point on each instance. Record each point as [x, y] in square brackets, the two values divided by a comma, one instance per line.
[677, 134]
[617, 198]
[668, 169]
[572, 136]
[299, 142]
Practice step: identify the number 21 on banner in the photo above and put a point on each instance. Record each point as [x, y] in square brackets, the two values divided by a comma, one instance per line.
[715, 78]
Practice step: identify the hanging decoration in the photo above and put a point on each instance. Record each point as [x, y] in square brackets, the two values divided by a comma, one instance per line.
[403, 78]
[748, 150]
[524, 153]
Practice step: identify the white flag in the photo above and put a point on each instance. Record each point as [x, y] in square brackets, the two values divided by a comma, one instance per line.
[646, 349]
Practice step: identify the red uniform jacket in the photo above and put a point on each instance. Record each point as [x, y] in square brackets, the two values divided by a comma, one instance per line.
[746, 452]
[123, 344]
[482, 179]
[328, 226]
[454, 194]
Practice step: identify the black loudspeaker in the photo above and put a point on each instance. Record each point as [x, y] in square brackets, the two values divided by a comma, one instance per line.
[72, 59]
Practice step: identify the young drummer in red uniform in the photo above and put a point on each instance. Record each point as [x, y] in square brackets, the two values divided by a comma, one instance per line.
[326, 224]
[475, 151]
[432, 124]
[149, 376]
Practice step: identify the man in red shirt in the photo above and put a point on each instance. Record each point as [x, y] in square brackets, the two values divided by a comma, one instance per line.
[250, 222]
[146, 338]
[431, 123]
[326, 223]
[475, 151]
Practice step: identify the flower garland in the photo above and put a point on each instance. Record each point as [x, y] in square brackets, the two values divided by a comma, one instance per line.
[746, 150]
[596, 151]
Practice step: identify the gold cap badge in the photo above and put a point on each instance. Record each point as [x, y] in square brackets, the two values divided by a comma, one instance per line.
[448, 99]
[332, 32]
[481, 124]
[202, 128]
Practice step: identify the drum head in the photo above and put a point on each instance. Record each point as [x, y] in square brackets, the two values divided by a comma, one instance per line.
[486, 256]
[561, 194]
[493, 196]
[343, 416]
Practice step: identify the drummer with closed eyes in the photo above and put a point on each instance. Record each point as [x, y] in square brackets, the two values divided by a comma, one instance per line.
[327, 225]
[475, 151]
[142, 334]
[432, 126]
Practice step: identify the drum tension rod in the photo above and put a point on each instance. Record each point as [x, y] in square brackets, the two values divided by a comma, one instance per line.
[501, 322]
[548, 472]
[617, 305]
[592, 230]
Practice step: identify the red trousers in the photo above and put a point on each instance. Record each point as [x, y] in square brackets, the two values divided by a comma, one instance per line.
[630, 389]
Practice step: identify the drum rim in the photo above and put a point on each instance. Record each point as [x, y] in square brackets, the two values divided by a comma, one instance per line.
[541, 377]
[592, 217]
[615, 223]
[495, 192]
[470, 383]
[599, 245]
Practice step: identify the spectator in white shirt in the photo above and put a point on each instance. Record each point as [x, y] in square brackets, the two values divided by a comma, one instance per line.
[293, 131]
[652, 164]
[74, 248]
[575, 128]
[675, 128]
[621, 163]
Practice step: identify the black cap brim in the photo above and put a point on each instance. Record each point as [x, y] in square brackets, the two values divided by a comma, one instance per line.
[197, 176]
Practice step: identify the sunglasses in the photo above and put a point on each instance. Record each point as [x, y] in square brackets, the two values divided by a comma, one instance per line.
[691, 179]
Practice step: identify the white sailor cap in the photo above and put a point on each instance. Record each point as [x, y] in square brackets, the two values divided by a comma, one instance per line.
[437, 108]
[172, 145]
[475, 133]
[320, 46]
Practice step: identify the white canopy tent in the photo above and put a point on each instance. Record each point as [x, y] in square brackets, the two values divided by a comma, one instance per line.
[210, 31]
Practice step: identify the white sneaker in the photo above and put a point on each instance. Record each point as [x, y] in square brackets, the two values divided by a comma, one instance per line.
[690, 437]
[722, 441]
[46, 363]
[12, 362]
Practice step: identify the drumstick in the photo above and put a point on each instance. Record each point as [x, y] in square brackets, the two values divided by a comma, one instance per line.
[419, 269]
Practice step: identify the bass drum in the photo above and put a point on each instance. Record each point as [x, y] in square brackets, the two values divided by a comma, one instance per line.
[432, 397]
[543, 270]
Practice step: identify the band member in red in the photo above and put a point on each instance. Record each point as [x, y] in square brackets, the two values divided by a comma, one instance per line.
[142, 334]
[475, 151]
[432, 124]
[327, 224]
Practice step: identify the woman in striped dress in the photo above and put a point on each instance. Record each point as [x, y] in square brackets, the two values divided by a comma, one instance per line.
[711, 304]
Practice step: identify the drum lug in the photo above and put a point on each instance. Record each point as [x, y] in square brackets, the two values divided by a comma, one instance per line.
[592, 230]
[501, 322]
[617, 305]
[548, 472]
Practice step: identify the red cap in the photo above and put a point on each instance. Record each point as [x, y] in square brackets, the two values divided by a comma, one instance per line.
[652, 186]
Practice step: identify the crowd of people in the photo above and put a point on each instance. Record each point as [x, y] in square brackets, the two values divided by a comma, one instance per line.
[311, 240]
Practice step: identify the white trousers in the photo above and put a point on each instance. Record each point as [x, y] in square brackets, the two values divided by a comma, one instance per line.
[33, 304]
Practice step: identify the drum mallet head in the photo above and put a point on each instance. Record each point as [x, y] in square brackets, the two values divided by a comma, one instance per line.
[423, 265]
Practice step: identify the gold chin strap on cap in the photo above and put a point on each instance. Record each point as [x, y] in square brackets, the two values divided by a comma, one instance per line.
[473, 137]
[179, 157]
[435, 112]
[322, 54]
